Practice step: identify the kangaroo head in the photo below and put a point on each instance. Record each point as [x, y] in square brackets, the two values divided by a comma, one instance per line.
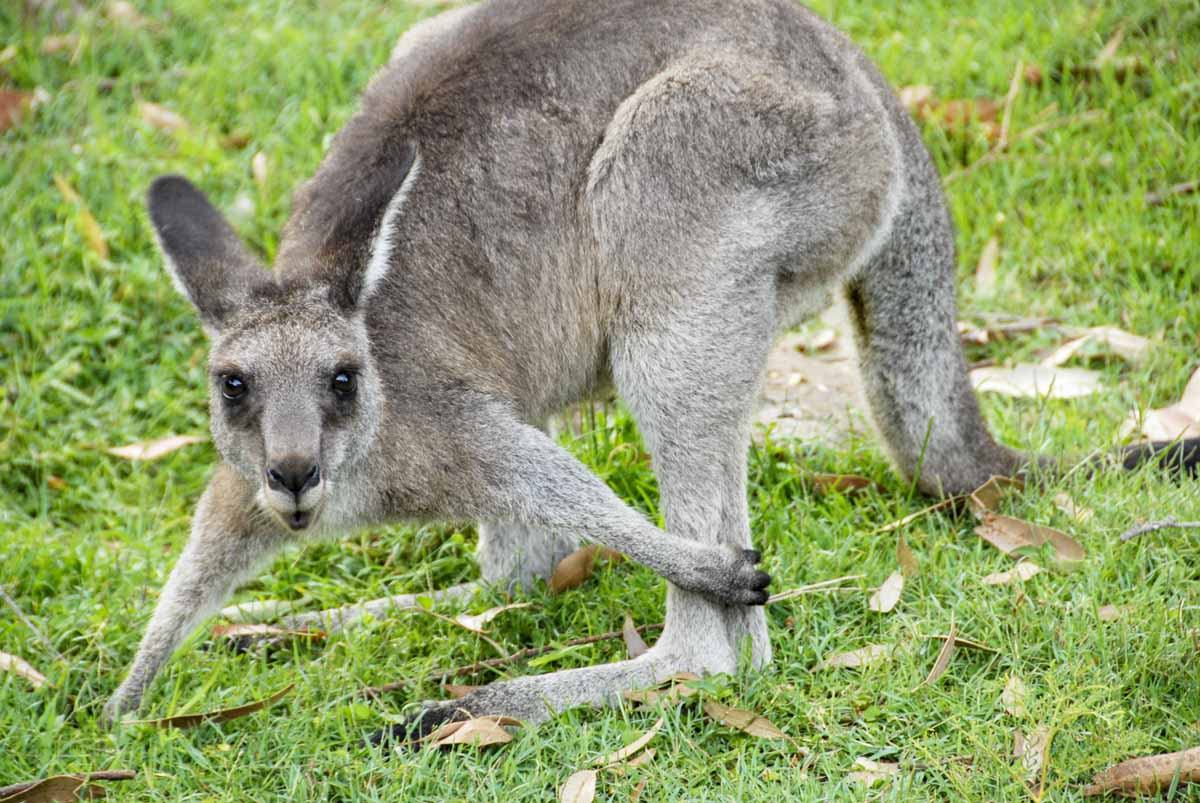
[295, 398]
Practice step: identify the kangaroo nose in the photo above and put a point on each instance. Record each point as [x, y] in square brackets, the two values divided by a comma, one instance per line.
[293, 474]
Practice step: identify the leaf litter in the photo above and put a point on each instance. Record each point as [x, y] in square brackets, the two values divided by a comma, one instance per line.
[476, 622]
[22, 668]
[220, 715]
[153, 450]
[577, 567]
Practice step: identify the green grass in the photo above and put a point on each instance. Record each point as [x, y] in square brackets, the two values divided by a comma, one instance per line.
[102, 352]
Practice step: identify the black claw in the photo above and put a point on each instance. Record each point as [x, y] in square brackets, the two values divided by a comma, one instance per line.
[758, 598]
[760, 581]
[407, 734]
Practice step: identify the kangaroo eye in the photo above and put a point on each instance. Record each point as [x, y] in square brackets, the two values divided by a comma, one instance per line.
[233, 387]
[343, 383]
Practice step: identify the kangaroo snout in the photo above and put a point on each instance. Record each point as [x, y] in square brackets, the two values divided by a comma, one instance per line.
[294, 489]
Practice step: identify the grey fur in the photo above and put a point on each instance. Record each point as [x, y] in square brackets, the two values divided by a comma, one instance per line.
[642, 194]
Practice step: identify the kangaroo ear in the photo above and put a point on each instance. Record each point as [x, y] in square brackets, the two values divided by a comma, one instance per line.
[207, 261]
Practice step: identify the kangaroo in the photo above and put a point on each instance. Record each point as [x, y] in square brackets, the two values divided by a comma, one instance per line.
[537, 200]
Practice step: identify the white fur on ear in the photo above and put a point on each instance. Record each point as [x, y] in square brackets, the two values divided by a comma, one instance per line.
[382, 244]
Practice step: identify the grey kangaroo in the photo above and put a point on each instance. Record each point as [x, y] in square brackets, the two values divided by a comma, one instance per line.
[537, 200]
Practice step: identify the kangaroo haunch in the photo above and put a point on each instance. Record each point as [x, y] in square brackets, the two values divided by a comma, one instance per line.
[537, 200]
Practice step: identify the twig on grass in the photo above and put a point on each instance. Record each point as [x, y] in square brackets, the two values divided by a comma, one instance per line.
[1151, 526]
[1159, 197]
[12, 603]
[495, 663]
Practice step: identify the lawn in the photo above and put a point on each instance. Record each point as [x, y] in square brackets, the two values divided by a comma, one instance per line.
[100, 351]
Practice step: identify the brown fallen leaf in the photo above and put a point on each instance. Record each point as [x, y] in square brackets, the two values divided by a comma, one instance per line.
[870, 773]
[887, 595]
[1013, 696]
[1032, 75]
[855, 659]
[1009, 535]
[745, 721]
[1111, 613]
[915, 97]
[14, 105]
[632, 748]
[477, 732]
[236, 140]
[125, 15]
[475, 623]
[1017, 574]
[674, 688]
[457, 691]
[842, 483]
[579, 788]
[1027, 381]
[1109, 50]
[1067, 505]
[62, 787]
[577, 567]
[1129, 347]
[260, 169]
[1147, 775]
[56, 483]
[641, 758]
[161, 117]
[1035, 750]
[637, 791]
[907, 560]
[220, 715]
[61, 43]
[945, 655]
[985, 270]
[1179, 420]
[986, 498]
[152, 450]
[635, 645]
[243, 630]
[22, 668]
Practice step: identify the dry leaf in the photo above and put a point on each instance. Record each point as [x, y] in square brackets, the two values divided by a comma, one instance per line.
[125, 15]
[870, 772]
[915, 97]
[88, 226]
[577, 567]
[985, 271]
[842, 483]
[477, 732]
[959, 641]
[248, 630]
[1110, 47]
[986, 498]
[475, 623]
[56, 483]
[53, 45]
[262, 610]
[1148, 775]
[22, 668]
[745, 721]
[152, 450]
[1013, 696]
[1019, 573]
[907, 560]
[457, 691]
[236, 140]
[1036, 748]
[259, 169]
[674, 688]
[887, 595]
[579, 788]
[854, 659]
[1025, 381]
[13, 106]
[1129, 347]
[945, 655]
[633, 763]
[161, 117]
[1111, 613]
[633, 747]
[1010, 534]
[1180, 420]
[221, 715]
[634, 644]
[1064, 502]
[637, 791]
[818, 341]
[63, 787]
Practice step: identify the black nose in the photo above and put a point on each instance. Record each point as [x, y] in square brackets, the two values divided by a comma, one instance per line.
[293, 474]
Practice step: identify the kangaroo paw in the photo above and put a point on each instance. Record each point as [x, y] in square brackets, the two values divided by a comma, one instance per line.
[733, 578]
